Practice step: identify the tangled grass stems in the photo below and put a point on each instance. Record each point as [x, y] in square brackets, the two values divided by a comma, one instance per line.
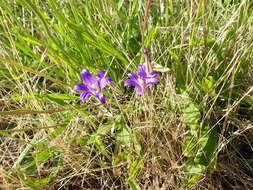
[192, 130]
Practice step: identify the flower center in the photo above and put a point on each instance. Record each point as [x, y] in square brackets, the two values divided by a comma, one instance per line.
[94, 88]
[142, 83]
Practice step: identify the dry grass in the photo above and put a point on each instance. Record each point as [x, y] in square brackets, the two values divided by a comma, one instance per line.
[204, 53]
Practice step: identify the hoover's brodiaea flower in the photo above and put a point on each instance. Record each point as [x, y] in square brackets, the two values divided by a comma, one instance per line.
[92, 86]
[143, 80]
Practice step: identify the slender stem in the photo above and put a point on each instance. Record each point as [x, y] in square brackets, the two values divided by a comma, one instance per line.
[145, 27]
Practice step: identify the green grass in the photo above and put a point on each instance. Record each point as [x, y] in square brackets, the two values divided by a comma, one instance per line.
[192, 131]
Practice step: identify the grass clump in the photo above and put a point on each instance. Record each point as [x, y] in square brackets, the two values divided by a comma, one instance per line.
[192, 130]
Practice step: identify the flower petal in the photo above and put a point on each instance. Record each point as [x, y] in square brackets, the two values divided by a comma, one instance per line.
[100, 97]
[154, 74]
[133, 76]
[140, 91]
[84, 95]
[80, 87]
[132, 83]
[100, 74]
[141, 71]
[87, 77]
[151, 80]
[103, 82]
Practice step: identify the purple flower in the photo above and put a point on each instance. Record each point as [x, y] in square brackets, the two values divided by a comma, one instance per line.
[92, 86]
[143, 80]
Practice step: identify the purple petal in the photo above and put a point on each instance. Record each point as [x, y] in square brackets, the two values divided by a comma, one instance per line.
[151, 80]
[154, 74]
[141, 71]
[140, 91]
[132, 83]
[103, 82]
[80, 87]
[133, 76]
[100, 74]
[84, 95]
[87, 77]
[100, 97]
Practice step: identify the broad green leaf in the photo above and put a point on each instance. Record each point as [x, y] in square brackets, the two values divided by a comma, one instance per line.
[59, 98]
[207, 85]
[38, 183]
[191, 114]
[104, 129]
[195, 171]
[62, 96]
[44, 155]
[189, 146]
[122, 156]
[198, 145]
[209, 151]
[123, 134]
[160, 68]
[136, 142]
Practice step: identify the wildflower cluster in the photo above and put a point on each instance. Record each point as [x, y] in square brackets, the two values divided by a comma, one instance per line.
[143, 80]
[92, 86]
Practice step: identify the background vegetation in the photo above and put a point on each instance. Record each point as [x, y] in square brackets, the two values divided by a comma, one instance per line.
[193, 131]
